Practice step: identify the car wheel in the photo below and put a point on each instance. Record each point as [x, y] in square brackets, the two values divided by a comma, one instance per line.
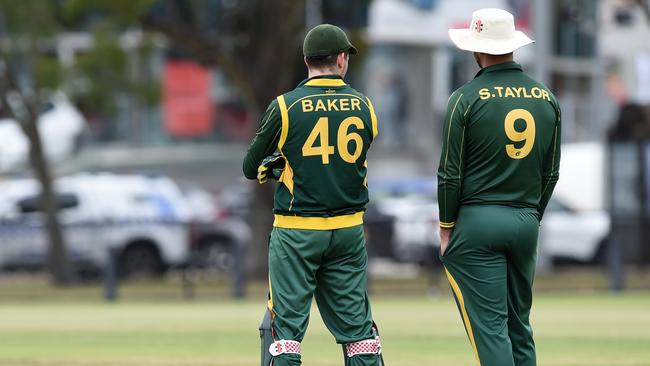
[141, 261]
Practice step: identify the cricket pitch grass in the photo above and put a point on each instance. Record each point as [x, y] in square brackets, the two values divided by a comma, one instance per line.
[570, 329]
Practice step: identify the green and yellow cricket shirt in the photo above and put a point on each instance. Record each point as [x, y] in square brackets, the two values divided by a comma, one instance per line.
[501, 143]
[323, 130]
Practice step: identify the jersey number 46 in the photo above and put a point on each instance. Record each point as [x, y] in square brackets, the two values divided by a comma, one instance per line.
[321, 129]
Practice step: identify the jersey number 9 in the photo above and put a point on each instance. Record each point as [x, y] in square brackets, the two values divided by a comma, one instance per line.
[527, 135]
[321, 129]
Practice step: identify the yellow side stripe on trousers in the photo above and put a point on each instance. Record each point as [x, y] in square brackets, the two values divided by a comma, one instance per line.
[270, 302]
[463, 311]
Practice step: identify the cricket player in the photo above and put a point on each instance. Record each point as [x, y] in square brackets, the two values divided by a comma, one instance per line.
[321, 131]
[498, 168]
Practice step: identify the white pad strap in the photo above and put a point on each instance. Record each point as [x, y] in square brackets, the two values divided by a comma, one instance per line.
[284, 346]
[364, 347]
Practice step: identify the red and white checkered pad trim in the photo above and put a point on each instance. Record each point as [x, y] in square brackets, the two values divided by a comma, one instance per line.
[365, 347]
[284, 346]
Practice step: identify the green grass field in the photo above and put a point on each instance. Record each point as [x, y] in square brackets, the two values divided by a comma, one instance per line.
[571, 329]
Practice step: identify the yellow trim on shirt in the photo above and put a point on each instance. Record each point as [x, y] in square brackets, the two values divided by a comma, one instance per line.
[287, 174]
[373, 118]
[318, 223]
[284, 113]
[365, 179]
[447, 225]
[463, 313]
[325, 82]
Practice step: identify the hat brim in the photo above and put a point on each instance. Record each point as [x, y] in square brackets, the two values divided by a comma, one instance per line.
[465, 40]
[352, 50]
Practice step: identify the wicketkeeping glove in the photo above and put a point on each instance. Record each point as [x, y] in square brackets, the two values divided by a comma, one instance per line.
[271, 167]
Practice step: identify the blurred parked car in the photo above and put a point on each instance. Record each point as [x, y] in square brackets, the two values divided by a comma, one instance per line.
[576, 225]
[234, 202]
[149, 221]
[413, 206]
[570, 235]
[217, 234]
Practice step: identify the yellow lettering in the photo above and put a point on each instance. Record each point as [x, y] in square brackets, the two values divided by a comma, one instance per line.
[517, 91]
[320, 106]
[509, 93]
[499, 89]
[537, 92]
[345, 104]
[356, 104]
[331, 105]
[527, 135]
[525, 92]
[545, 95]
[307, 105]
[484, 93]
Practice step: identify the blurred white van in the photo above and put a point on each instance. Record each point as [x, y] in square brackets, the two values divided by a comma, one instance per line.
[145, 219]
[576, 224]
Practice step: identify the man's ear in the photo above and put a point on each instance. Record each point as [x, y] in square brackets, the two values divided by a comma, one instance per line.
[304, 59]
[340, 59]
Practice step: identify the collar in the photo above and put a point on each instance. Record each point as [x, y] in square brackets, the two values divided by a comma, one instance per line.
[323, 80]
[509, 65]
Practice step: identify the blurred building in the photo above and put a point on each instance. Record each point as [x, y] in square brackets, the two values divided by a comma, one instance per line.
[413, 68]
[593, 54]
[623, 35]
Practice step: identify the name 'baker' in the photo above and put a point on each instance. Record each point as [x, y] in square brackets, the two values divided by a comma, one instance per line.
[332, 104]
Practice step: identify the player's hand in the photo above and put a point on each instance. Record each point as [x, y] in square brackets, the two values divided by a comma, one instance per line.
[271, 167]
[445, 236]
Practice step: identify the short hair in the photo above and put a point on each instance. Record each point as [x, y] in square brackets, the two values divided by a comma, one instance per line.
[322, 62]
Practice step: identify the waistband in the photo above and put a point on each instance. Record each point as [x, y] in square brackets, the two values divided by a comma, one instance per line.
[318, 223]
[504, 206]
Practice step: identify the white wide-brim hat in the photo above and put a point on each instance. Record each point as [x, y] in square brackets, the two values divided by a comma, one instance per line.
[492, 31]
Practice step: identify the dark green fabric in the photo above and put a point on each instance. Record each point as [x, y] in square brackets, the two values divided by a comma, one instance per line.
[265, 141]
[329, 266]
[332, 188]
[491, 256]
[325, 40]
[475, 167]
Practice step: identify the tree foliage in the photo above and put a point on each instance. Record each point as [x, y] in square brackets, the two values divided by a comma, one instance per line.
[29, 32]
[257, 43]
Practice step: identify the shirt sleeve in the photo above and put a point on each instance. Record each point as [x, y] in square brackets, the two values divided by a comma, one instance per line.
[551, 167]
[265, 141]
[450, 170]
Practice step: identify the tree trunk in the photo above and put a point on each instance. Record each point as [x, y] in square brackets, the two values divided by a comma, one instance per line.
[261, 222]
[24, 110]
[57, 258]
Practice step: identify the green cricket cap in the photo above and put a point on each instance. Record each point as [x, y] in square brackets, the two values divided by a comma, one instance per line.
[326, 39]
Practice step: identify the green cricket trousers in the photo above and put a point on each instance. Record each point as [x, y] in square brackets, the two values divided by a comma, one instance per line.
[490, 264]
[329, 265]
